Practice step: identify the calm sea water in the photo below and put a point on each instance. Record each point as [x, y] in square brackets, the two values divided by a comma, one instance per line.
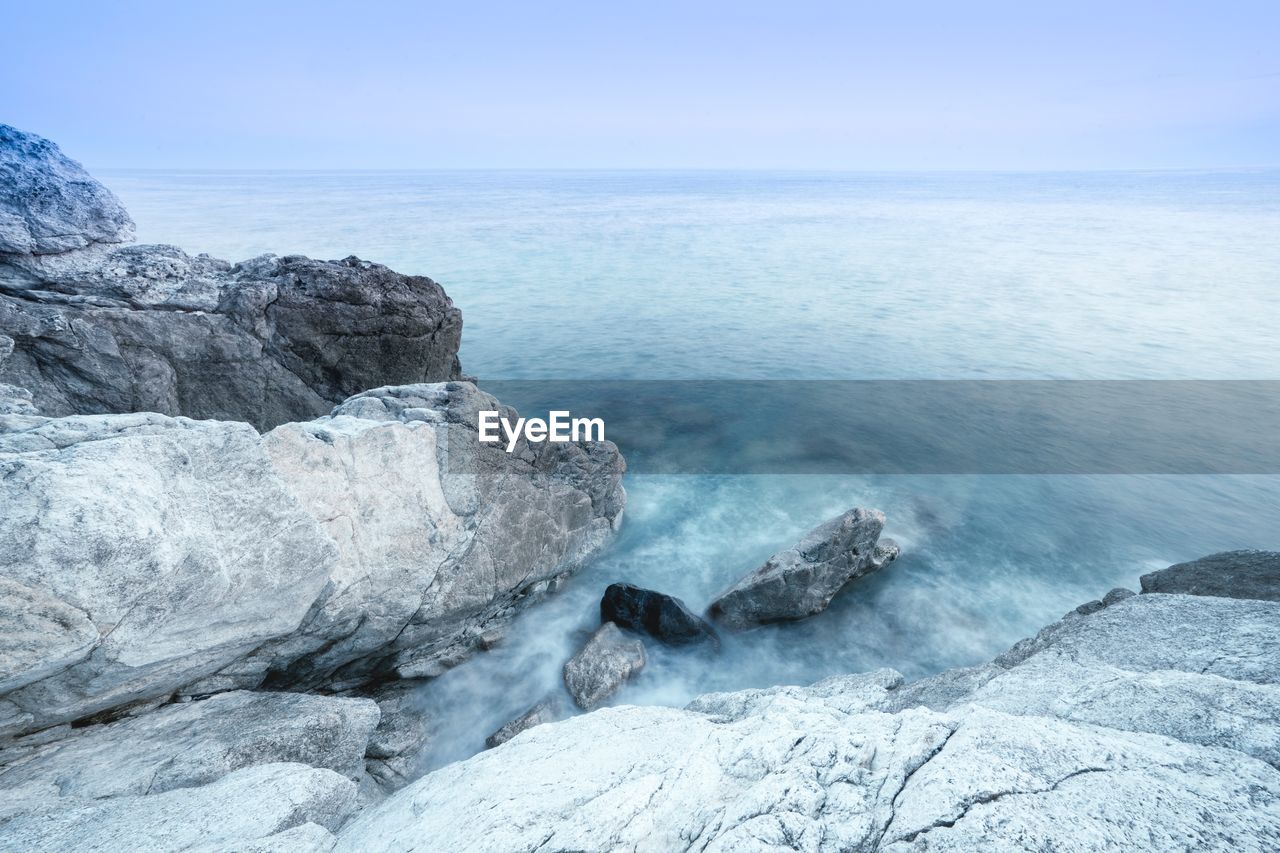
[815, 276]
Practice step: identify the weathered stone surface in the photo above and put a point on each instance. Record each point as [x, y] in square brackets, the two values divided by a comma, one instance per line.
[548, 710]
[441, 539]
[802, 580]
[41, 635]
[268, 340]
[602, 666]
[49, 203]
[798, 773]
[184, 745]
[239, 810]
[661, 616]
[1231, 574]
[176, 541]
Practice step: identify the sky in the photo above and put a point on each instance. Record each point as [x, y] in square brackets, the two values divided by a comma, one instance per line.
[781, 85]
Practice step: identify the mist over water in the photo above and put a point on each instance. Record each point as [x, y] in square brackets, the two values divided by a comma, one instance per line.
[770, 276]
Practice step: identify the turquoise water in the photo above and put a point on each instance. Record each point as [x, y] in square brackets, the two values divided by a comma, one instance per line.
[816, 276]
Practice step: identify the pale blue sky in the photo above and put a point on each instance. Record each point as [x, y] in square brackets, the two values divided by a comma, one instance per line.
[805, 85]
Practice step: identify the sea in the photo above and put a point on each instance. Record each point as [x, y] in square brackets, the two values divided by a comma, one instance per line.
[737, 276]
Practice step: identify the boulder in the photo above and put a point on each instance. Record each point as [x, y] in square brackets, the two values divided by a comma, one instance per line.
[442, 540]
[1231, 574]
[548, 710]
[249, 809]
[49, 203]
[602, 666]
[195, 743]
[95, 327]
[802, 580]
[662, 617]
[143, 556]
[140, 553]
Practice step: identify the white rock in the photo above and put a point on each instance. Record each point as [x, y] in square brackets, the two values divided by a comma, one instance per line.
[241, 809]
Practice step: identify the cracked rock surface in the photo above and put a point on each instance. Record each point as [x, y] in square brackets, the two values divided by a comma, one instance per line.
[1148, 724]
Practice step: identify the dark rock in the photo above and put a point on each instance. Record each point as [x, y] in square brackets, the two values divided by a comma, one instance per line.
[802, 580]
[548, 710]
[602, 666]
[1230, 574]
[90, 327]
[659, 615]
[49, 203]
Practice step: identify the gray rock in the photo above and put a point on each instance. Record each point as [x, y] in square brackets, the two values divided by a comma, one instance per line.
[195, 743]
[404, 730]
[802, 580]
[1230, 574]
[48, 203]
[204, 558]
[602, 666]
[268, 340]
[547, 710]
[801, 773]
[239, 810]
[42, 635]
[442, 540]
[173, 539]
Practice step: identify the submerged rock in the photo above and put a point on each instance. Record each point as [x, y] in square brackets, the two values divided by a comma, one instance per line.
[548, 710]
[1231, 574]
[661, 616]
[602, 666]
[802, 580]
[98, 328]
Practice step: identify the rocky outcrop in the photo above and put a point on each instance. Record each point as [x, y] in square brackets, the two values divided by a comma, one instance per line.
[802, 580]
[147, 556]
[1150, 723]
[195, 743]
[49, 204]
[151, 328]
[146, 553]
[602, 666]
[269, 807]
[547, 711]
[402, 734]
[662, 617]
[1231, 574]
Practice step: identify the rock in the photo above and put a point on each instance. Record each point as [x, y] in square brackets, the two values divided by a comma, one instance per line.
[146, 552]
[403, 733]
[13, 400]
[49, 204]
[548, 710]
[602, 666]
[97, 328]
[382, 542]
[268, 340]
[42, 635]
[662, 617]
[1231, 574]
[185, 745]
[240, 810]
[442, 540]
[802, 580]
[800, 773]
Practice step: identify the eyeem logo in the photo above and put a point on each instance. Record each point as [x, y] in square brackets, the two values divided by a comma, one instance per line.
[558, 427]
